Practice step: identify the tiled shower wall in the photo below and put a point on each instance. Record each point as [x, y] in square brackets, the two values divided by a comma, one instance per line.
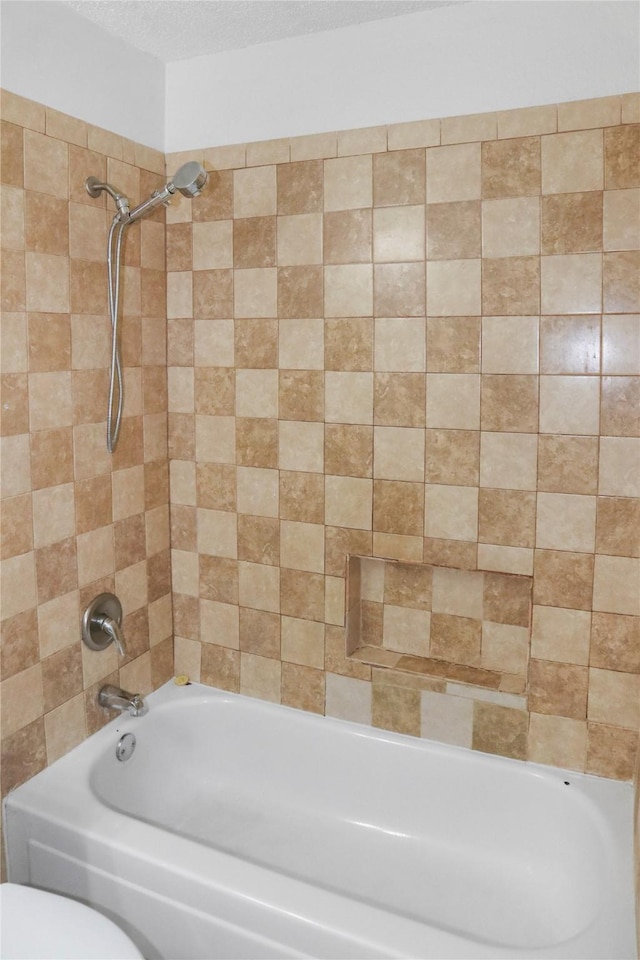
[417, 342]
[76, 522]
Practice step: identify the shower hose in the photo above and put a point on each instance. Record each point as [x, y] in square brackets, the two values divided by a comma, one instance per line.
[116, 382]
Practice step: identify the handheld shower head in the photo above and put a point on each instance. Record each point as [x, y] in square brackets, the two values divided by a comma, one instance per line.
[189, 179]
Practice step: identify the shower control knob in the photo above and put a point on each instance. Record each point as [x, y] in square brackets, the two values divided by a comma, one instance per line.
[101, 623]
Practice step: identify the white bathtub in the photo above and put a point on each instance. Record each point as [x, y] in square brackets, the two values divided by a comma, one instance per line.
[243, 829]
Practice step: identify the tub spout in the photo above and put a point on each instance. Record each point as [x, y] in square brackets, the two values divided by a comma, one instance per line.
[116, 699]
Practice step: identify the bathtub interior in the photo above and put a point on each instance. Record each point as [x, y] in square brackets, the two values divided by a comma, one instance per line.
[498, 852]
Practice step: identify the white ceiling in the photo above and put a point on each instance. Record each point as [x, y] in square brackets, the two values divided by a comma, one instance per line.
[181, 29]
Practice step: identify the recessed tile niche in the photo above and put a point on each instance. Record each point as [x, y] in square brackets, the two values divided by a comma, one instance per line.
[471, 627]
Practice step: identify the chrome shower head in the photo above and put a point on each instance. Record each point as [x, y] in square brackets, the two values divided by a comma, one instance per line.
[189, 179]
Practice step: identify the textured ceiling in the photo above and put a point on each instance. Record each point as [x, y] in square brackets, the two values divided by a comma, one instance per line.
[180, 29]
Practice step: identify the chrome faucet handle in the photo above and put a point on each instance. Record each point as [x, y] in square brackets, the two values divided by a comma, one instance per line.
[101, 623]
[112, 629]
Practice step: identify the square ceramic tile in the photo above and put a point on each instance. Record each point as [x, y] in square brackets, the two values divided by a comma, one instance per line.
[348, 502]
[454, 288]
[621, 344]
[399, 344]
[398, 233]
[509, 344]
[300, 239]
[453, 401]
[451, 513]
[572, 162]
[348, 397]
[511, 227]
[571, 284]
[398, 453]
[569, 405]
[254, 192]
[348, 290]
[454, 173]
[508, 460]
[348, 183]
[566, 522]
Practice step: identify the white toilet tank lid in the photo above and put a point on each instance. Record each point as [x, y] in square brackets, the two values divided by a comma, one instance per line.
[37, 925]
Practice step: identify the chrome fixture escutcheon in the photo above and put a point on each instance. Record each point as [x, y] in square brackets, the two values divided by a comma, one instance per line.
[101, 623]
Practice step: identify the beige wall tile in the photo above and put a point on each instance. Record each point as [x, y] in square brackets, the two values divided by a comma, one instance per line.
[301, 344]
[220, 623]
[46, 164]
[18, 585]
[570, 344]
[398, 453]
[398, 178]
[615, 585]
[572, 162]
[313, 146]
[254, 192]
[511, 227]
[302, 547]
[348, 698]
[510, 344]
[619, 467]
[621, 344]
[568, 464]
[481, 126]
[620, 147]
[614, 698]
[508, 460]
[454, 288]
[398, 233]
[569, 405]
[571, 284]
[348, 291]
[565, 522]
[417, 133]
[399, 289]
[621, 287]
[65, 727]
[349, 397]
[348, 502]
[301, 446]
[96, 557]
[518, 560]
[561, 634]
[267, 151]
[53, 514]
[454, 173]
[585, 114]
[260, 677]
[348, 183]
[256, 292]
[451, 512]
[559, 741]
[300, 239]
[257, 491]
[453, 401]
[361, 141]
[511, 168]
[446, 718]
[22, 699]
[527, 121]
[406, 630]
[303, 642]
[399, 344]
[213, 245]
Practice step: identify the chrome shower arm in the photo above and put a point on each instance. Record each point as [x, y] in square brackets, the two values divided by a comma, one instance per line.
[94, 188]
